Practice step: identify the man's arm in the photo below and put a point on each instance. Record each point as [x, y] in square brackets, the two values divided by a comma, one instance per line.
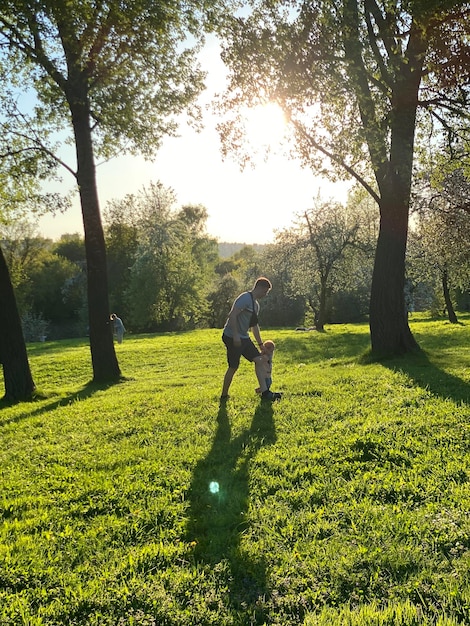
[257, 335]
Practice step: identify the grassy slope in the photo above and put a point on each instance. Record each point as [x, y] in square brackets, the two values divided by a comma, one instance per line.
[345, 503]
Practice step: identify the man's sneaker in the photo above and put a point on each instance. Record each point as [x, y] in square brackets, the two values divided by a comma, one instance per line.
[271, 396]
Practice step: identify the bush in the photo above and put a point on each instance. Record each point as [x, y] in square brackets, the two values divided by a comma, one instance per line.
[35, 328]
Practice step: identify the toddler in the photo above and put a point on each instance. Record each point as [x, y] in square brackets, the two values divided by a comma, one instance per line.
[267, 351]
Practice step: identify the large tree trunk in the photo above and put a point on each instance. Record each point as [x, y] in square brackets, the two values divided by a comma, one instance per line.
[390, 333]
[389, 330]
[19, 385]
[103, 355]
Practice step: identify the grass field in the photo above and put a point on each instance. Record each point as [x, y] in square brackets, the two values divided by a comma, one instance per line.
[147, 503]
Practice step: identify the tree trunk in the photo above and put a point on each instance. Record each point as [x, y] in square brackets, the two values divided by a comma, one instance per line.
[19, 385]
[320, 319]
[449, 306]
[103, 355]
[389, 330]
[314, 311]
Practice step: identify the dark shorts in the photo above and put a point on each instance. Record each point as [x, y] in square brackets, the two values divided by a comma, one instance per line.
[247, 350]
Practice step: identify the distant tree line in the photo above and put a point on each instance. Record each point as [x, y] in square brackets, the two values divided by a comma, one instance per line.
[165, 273]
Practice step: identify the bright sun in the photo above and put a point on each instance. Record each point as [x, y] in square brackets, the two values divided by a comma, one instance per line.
[265, 126]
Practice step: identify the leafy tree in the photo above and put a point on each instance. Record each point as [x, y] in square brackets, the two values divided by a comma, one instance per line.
[115, 73]
[22, 170]
[235, 274]
[352, 77]
[35, 327]
[282, 307]
[16, 191]
[204, 249]
[125, 219]
[71, 247]
[47, 284]
[439, 251]
[329, 235]
[226, 266]
[122, 241]
[317, 245]
[170, 259]
[249, 265]
[351, 297]
[165, 282]
[56, 290]
[220, 299]
[125, 222]
[245, 262]
[21, 247]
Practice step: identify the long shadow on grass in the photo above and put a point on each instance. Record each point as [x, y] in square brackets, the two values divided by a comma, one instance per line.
[86, 391]
[426, 374]
[219, 499]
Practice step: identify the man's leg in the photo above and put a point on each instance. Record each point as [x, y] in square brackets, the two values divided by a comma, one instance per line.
[229, 374]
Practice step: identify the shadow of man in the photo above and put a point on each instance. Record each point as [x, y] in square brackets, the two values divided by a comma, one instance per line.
[219, 500]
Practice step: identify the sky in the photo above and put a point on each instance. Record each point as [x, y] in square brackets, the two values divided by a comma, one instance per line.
[243, 206]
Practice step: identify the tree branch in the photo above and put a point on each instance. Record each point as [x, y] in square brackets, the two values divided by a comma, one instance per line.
[37, 146]
[373, 42]
[335, 159]
[367, 109]
[383, 24]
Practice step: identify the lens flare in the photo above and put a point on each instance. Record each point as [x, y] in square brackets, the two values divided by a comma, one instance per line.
[214, 487]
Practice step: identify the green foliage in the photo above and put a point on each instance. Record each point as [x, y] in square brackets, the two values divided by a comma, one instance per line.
[282, 307]
[322, 265]
[335, 67]
[25, 160]
[346, 503]
[57, 288]
[161, 260]
[115, 74]
[438, 249]
[35, 328]
[23, 250]
[221, 298]
[71, 247]
[234, 275]
[121, 247]
[137, 58]
[48, 284]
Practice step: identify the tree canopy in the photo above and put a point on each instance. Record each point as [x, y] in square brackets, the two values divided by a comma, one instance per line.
[136, 61]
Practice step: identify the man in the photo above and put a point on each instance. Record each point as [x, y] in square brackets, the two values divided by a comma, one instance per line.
[243, 316]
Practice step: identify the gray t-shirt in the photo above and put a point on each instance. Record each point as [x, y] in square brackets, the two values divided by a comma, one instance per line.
[244, 302]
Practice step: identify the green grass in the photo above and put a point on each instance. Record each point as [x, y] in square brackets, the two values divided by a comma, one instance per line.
[344, 504]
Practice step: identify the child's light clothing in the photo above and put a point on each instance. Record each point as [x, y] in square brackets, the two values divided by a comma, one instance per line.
[267, 352]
